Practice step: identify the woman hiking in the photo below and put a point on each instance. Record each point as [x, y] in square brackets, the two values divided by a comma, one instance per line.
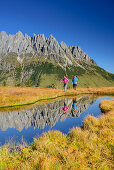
[65, 80]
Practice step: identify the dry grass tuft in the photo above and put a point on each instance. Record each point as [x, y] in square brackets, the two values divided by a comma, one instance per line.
[107, 105]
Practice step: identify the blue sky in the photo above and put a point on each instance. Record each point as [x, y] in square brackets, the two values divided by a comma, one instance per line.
[87, 23]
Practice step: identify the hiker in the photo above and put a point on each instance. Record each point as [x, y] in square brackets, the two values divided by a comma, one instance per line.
[75, 82]
[74, 105]
[65, 80]
[65, 108]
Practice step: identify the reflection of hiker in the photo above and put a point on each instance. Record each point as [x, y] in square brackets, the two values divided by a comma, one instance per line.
[75, 82]
[65, 80]
[74, 105]
[65, 108]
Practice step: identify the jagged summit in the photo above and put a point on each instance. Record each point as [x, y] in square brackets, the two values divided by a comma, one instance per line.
[46, 46]
[42, 61]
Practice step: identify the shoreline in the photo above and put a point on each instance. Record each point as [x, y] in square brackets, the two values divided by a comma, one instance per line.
[23, 96]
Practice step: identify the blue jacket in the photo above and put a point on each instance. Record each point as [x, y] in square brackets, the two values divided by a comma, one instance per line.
[75, 106]
[75, 80]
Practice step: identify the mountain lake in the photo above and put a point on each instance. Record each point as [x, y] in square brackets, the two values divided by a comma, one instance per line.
[24, 124]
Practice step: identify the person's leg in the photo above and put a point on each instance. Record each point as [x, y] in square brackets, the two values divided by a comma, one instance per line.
[65, 87]
[73, 86]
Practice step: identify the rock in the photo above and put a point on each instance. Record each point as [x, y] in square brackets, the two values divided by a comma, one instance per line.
[75, 52]
[41, 37]
[63, 46]
[21, 44]
[52, 42]
[86, 57]
[44, 49]
[78, 48]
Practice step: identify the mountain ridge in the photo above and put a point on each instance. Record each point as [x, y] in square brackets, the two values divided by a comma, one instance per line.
[23, 44]
[42, 61]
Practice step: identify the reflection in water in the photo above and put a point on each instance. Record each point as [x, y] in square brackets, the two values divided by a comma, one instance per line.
[46, 114]
[65, 108]
[74, 106]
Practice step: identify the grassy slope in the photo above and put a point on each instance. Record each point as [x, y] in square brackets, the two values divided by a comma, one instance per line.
[94, 77]
[86, 80]
[89, 147]
[95, 80]
[49, 75]
[10, 96]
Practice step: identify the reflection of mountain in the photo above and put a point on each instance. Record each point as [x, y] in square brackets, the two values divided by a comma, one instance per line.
[42, 115]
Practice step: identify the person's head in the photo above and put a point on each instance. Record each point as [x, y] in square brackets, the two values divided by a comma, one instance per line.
[74, 76]
[64, 76]
[64, 112]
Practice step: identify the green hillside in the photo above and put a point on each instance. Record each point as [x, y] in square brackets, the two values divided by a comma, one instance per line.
[37, 72]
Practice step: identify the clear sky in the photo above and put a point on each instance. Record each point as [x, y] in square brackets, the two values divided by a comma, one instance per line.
[85, 23]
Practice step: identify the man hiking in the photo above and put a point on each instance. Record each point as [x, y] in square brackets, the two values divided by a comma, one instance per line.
[75, 82]
[65, 80]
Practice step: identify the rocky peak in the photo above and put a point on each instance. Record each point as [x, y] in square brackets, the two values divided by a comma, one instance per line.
[63, 45]
[51, 37]
[78, 48]
[40, 44]
[3, 33]
[53, 44]
[19, 34]
[27, 37]
[3, 36]
[41, 37]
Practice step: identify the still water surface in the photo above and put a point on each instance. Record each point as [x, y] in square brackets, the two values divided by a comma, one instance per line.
[61, 115]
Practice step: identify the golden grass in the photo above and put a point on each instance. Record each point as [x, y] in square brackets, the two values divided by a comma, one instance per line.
[23, 95]
[28, 95]
[89, 147]
[107, 105]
